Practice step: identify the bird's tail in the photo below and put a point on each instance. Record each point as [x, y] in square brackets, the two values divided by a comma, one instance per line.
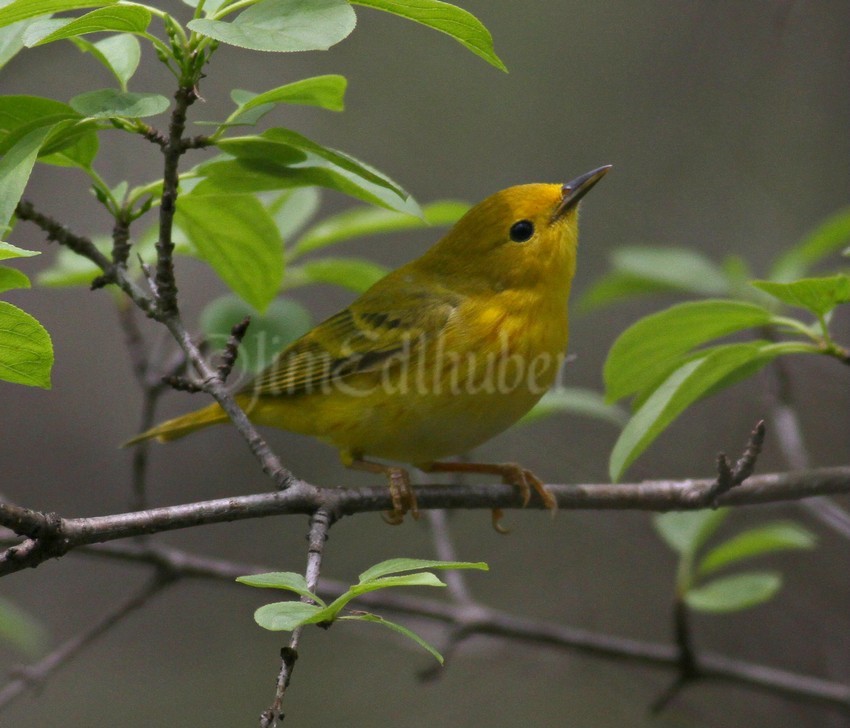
[183, 425]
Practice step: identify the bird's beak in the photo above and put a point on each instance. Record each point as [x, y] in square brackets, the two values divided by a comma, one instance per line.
[578, 188]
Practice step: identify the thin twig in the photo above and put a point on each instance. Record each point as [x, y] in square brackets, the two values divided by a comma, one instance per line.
[34, 675]
[320, 524]
[172, 151]
[729, 476]
[269, 462]
[231, 348]
[81, 245]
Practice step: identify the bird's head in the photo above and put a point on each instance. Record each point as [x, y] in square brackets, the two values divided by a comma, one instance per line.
[520, 237]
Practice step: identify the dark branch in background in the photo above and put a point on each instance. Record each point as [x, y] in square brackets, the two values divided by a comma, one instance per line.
[687, 670]
[320, 524]
[467, 620]
[658, 496]
[151, 388]
[269, 462]
[33, 677]
[786, 425]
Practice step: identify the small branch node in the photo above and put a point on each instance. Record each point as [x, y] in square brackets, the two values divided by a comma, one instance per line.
[231, 349]
[182, 384]
[729, 476]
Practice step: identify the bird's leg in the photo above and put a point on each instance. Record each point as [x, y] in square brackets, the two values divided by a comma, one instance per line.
[401, 491]
[511, 473]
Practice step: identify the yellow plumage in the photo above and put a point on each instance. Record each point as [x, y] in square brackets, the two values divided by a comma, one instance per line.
[441, 354]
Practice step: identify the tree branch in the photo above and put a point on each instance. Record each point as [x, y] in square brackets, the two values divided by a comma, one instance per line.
[269, 462]
[301, 497]
[34, 675]
[465, 621]
[320, 524]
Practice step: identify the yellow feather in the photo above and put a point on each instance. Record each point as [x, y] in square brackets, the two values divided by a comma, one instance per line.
[441, 354]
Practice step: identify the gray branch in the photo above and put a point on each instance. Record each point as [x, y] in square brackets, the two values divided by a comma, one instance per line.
[467, 619]
[48, 536]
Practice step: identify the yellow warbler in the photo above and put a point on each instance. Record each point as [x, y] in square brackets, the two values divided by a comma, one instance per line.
[438, 356]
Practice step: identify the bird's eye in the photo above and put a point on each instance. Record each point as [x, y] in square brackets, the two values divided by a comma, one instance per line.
[522, 231]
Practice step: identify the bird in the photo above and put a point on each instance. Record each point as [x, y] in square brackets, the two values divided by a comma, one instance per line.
[437, 357]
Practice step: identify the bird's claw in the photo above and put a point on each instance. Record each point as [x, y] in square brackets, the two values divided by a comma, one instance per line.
[402, 495]
[518, 476]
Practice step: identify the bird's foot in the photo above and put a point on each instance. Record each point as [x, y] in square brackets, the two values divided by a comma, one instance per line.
[403, 497]
[401, 490]
[511, 474]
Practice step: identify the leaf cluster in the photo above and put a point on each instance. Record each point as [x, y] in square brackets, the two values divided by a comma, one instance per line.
[268, 179]
[671, 359]
[697, 583]
[393, 573]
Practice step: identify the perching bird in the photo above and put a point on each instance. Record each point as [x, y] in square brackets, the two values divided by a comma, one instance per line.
[439, 355]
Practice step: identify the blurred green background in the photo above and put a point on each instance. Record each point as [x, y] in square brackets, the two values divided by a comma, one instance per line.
[727, 124]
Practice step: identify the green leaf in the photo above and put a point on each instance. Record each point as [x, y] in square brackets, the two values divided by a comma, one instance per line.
[71, 142]
[118, 18]
[7, 250]
[330, 612]
[689, 383]
[20, 629]
[648, 348]
[326, 92]
[686, 531]
[12, 40]
[770, 538]
[617, 287]
[26, 353]
[401, 565]
[283, 25]
[257, 175]
[11, 278]
[20, 114]
[818, 295]
[15, 169]
[292, 210]
[285, 616]
[734, 593]
[108, 102]
[120, 54]
[417, 578]
[577, 401]
[278, 145]
[640, 270]
[355, 274]
[289, 580]
[23, 9]
[364, 221]
[374, 618]
[829, 237]
[211, 7]
[236, 235]
[283, 322]
[450, 19]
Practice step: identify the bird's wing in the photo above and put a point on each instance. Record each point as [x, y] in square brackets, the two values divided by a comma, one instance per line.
[380, 325]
